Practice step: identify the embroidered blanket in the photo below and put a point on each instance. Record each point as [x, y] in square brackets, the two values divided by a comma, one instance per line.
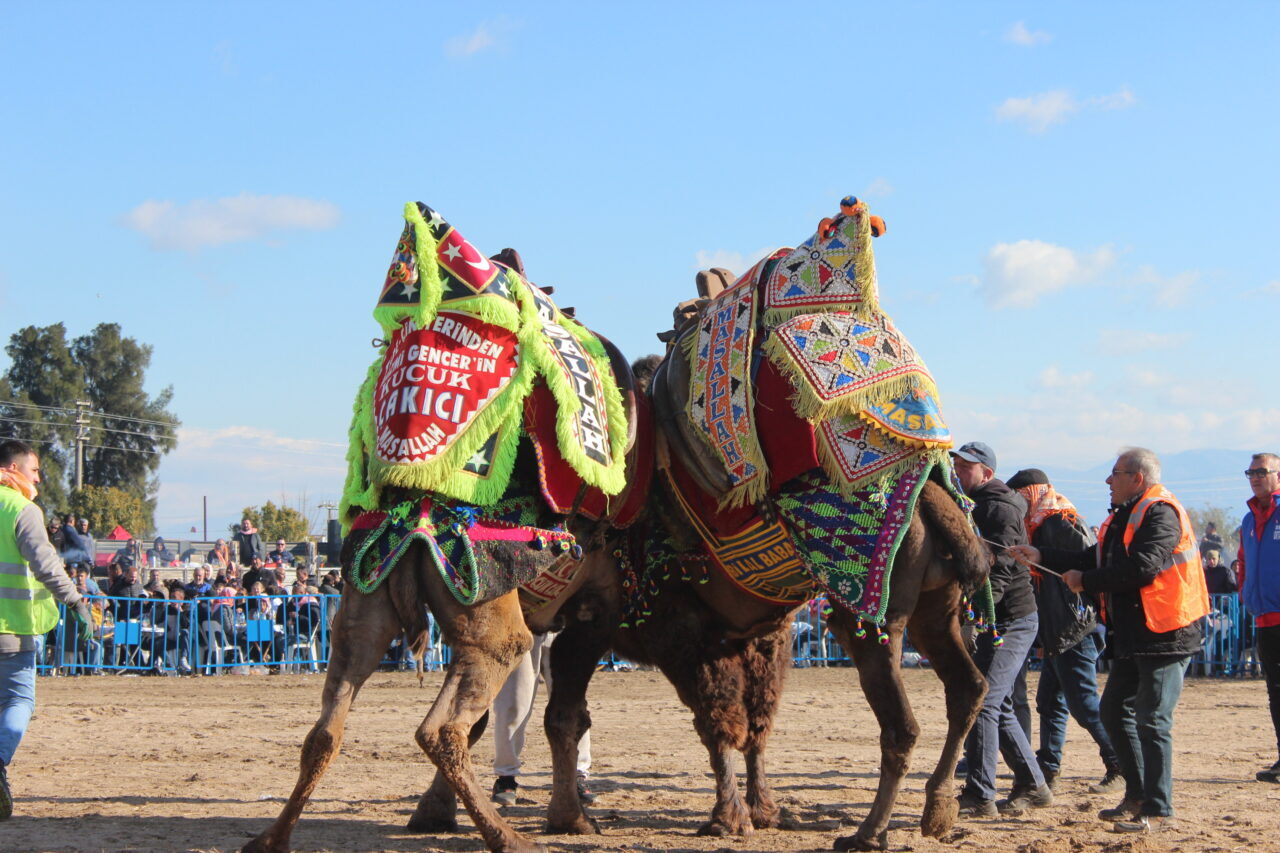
[467, 337]
[470, 550]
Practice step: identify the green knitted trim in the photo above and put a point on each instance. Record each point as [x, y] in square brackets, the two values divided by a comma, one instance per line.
[359, 492]
[611, 478]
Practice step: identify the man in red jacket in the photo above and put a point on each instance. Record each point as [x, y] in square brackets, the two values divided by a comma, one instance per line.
[1260, 580]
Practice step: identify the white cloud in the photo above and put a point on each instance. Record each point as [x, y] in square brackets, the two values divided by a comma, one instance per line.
[241, 466]
[1052, 378]
[1271, 288]
[1018, 274]
[1170, 291]
[235, 219]
[1040, 112]
[1124, 342]
[488, 35]
[735, 262]
[1019, 34]
[878, 188]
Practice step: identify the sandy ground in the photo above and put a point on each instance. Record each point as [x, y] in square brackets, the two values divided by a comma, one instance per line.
[169, 764]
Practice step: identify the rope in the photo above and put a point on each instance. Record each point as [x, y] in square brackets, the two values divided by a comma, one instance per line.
[1027, 562]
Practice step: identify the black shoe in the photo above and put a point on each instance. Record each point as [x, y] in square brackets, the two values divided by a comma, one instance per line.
[1127, 811]
[504, 790]
[585, 794]
[1110, 783]
[1026, 797]
[971, 806]
[6, 796]
[1050, 777]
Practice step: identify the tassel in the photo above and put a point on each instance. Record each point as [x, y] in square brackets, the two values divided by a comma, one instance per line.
[859, 631]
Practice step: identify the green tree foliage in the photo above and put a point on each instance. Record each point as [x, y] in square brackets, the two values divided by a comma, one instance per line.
[107, 506]
[129, 430]
[276, 522]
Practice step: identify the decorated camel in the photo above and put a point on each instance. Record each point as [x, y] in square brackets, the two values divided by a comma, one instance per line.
[802, 453]
[495, 441]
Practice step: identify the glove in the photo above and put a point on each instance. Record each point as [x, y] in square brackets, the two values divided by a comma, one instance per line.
[83, 619]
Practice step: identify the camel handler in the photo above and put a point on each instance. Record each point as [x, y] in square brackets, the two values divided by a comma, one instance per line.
[1146, 567]
[31, 577]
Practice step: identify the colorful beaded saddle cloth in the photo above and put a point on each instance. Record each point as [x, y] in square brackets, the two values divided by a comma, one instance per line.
[804, 424]
[477, 361]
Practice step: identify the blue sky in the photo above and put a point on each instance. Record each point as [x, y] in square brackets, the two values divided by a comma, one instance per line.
[1081, 198]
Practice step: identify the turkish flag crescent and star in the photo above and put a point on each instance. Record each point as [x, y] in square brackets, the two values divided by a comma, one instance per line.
[434, 381]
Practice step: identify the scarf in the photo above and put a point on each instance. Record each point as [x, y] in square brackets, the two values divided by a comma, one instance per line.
[16, 481]
[223, 553]
[1042, 502]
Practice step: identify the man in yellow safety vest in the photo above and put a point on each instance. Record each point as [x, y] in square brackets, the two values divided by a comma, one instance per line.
[31, 578]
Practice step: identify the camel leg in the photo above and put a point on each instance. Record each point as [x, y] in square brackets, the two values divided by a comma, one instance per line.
[486, 639]
[935, 630]
[880, 675]
[363, 628]
[574, 656]
[713, 688]
[437, 809]
[766, 663]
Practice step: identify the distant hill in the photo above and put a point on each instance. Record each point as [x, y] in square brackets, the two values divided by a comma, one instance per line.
[1197, 477]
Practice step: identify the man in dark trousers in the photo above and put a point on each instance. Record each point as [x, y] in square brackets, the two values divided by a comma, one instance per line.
[998, 512]
[1147, 569]
[1260, 584]
[1069, 680]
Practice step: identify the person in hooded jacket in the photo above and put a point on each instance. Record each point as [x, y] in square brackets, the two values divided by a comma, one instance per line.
[1069, 679]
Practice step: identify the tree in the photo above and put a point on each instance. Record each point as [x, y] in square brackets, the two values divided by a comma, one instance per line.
[106, 506]
[42, 383]
[276, 522]
[129, 430]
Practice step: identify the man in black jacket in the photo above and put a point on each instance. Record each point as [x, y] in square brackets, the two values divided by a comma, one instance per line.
[1147, 569]
[998, 513]
[1069, 680]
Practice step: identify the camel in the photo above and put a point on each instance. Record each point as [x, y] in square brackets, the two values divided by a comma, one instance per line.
[486, 637]
[726, 651]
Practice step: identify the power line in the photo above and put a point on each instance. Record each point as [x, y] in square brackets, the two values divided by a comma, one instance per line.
[63, 411]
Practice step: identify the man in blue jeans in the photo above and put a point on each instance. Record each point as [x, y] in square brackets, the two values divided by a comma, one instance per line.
[998, 512]
[1069, 680]
[31, 577]
[1147, 568]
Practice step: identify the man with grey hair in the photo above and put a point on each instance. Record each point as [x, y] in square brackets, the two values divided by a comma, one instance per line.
[1146, 567]
[1260, 580]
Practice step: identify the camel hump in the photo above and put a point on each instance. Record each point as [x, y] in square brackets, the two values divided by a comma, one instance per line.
[511, 258]
[712, 282]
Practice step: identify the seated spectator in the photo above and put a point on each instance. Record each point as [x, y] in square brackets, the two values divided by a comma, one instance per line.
[278, 581]
[128, 555]
[281, 556]
[155, 586]
[258, 573]
[159, 554]
[300, 614]
[128, 586]
[303, 576]
[1218, 577]
[77, 547]
[230, 575]
[199, 582]
[1211, 540]
[177, 631]
[85, 579]
[219, 554]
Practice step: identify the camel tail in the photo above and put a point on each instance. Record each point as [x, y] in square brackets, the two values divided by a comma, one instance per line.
[971, 556]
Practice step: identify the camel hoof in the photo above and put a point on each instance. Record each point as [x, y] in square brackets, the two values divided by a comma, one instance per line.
[259, 845]
[427, 825]
[718, 829]
[766, 817]
[582, 825]
[857, 842]
[939, 816]
[521, 845]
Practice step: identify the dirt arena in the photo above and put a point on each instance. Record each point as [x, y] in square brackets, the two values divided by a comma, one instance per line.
[169, 764]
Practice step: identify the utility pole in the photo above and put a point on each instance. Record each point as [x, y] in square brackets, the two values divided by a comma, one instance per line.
[82, 435]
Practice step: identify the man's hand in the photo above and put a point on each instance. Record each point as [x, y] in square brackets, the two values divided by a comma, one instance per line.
[1074, 580]
[84, 620]
[1024, 554]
